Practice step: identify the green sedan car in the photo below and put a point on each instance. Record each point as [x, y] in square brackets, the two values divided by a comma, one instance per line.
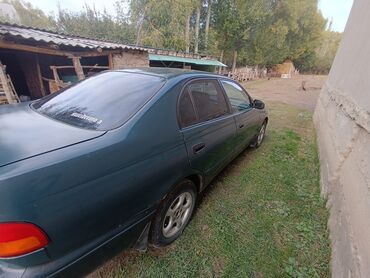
[114, 161]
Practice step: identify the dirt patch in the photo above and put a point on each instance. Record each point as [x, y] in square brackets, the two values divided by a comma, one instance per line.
[218, 266]
[288, 91]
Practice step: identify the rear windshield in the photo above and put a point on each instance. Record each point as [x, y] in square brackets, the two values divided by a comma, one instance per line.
[102, 102]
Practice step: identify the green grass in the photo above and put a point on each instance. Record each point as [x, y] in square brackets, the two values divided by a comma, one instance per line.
[262, 217]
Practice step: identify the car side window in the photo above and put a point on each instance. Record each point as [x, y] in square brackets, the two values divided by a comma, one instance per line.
[186, 110]
[208, 98]
[238, 99]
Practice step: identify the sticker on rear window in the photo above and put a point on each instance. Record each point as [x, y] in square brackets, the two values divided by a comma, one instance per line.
[87, 118]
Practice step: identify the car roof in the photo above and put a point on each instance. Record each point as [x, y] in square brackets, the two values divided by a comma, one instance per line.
[169, 73]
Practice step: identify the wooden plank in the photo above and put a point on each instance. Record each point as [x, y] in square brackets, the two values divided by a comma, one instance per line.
[39, 75]
[12, 87]
[5, 85]
[78, 68]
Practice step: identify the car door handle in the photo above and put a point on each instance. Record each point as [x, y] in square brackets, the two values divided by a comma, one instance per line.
[198, 148]
[241, 125]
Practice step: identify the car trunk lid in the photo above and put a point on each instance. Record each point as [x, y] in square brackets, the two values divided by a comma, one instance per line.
[25, 133]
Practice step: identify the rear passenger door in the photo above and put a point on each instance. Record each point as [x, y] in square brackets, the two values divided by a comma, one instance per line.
[207, 125]
[247, 118]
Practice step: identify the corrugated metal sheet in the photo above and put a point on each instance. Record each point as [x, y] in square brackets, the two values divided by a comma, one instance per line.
[203, 62]
[39, 35]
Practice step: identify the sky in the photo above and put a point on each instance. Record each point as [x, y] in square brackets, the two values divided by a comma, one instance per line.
[337, 10]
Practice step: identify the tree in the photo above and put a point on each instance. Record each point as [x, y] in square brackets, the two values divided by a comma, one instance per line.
[208, 19]
[235, 21]
[197, 23]
[94, 24]
[30, 15]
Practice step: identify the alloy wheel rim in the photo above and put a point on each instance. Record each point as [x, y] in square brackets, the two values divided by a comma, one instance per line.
[177, 214]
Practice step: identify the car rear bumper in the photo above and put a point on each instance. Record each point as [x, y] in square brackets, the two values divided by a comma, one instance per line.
[82, 261]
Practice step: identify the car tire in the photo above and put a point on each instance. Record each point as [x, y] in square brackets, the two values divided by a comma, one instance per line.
[173, 214]
[257, 141]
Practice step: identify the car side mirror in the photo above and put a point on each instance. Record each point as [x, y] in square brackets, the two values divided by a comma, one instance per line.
[258, 104]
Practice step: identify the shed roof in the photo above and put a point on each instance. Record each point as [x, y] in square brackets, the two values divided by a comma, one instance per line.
[40, 35]
[203, 62]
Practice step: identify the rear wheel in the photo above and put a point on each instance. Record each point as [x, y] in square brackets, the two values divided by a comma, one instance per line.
[173, 214]
[257, 141]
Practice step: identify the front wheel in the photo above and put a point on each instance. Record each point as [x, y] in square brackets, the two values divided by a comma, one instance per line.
[173, 214]
[257, 141]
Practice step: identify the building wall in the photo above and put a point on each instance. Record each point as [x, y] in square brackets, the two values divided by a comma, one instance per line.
[342, 118]
[130, 59]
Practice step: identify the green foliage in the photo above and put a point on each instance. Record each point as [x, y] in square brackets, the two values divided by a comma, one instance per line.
[321, 60]
[161, 23]
[91, 23]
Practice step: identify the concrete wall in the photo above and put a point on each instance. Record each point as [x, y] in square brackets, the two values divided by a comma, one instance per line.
[342, 118]
[131, 59]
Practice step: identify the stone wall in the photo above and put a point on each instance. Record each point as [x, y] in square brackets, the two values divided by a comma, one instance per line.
[130, 59]
[342, 119]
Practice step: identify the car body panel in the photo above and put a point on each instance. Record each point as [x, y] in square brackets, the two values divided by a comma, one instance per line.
[248, 123]
[218, 138]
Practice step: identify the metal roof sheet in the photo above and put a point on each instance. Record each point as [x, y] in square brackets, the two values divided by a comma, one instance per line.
[39, 35]
[166, 58]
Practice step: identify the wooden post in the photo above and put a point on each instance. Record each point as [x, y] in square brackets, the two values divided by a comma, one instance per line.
[55, 74]
[29, 63]
[110, 61]
[78, 68]
[39, 75]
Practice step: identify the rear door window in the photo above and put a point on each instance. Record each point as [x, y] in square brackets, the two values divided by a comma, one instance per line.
[239, 100]
[187, 113]
[208, 99]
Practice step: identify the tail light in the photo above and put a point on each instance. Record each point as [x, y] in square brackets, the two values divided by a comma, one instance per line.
[20, 238]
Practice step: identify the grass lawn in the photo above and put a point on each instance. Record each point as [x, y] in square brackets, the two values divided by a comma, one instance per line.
[262, 217]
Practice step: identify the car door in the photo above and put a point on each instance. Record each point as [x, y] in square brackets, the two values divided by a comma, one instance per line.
[208, 127]
[247, 118]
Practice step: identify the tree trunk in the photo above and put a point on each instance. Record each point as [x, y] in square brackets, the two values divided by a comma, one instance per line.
[139, 28]
[208, 18]
[221, 60]
[234, 61]
[187, 34]
[197, 22]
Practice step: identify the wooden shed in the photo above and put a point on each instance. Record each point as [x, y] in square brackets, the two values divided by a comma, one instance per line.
[38, 62]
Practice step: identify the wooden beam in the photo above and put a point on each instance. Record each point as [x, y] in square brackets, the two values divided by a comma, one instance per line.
[92, 53]
[84, 67]
[34, 49]
[56, 52]
[78, 68]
